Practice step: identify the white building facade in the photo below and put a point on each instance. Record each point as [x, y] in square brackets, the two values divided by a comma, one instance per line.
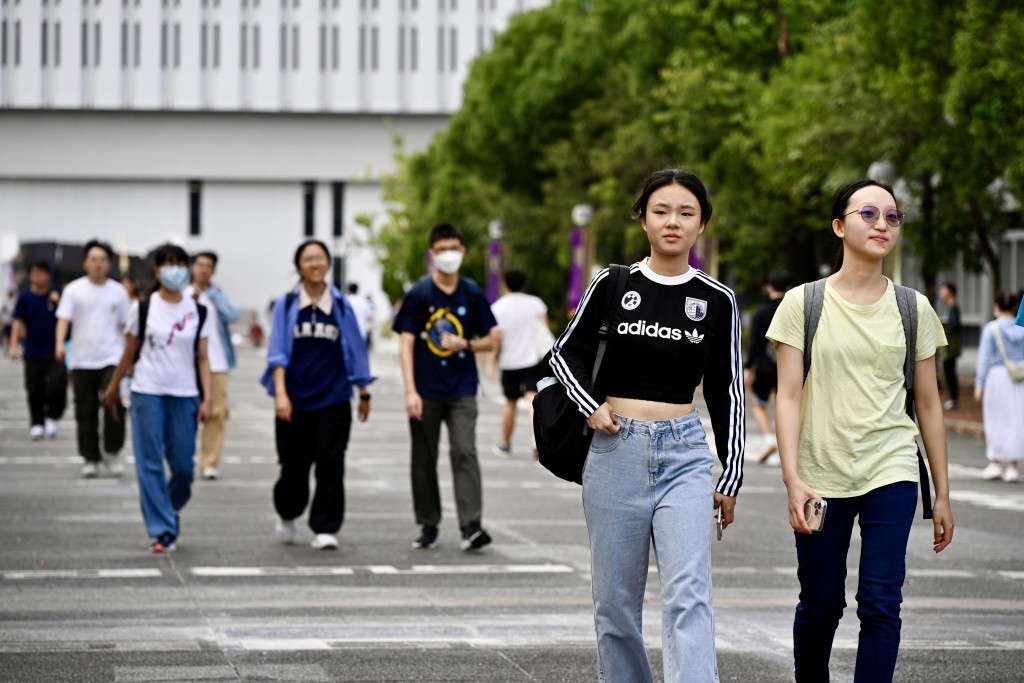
[241, 126]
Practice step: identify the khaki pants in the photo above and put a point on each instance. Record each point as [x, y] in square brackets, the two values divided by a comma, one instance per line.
[213, 429]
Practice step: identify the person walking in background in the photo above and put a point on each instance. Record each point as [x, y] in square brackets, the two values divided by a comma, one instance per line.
[7, 315]
[522, 320]
[444, 320]
[363, 308]
[130, 286]
[1000, 394]
[845, 437]
[97, 307]
[760, 373]
[952, 327]
[46, 379]
[647, 477]
[166, 339]
[315, 357]
[222, 311]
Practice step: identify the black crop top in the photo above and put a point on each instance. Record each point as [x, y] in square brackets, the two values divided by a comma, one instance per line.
[666, 335]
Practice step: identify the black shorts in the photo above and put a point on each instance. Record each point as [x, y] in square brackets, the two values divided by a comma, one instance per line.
[515, 383]
[764, 384]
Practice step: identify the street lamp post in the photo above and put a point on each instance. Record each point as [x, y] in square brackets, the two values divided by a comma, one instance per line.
[495, 231]
[579, 251]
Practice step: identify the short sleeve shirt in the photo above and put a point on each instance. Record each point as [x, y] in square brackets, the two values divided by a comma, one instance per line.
[518, 316]
[855, 435]
[97, 313]
[427, 312]
[167, 365]
[38, 313]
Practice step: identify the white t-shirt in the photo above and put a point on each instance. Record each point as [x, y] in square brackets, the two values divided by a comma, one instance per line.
[97, 314]
[363, 308]
[166, 364]
[518, 315]
[214, 343]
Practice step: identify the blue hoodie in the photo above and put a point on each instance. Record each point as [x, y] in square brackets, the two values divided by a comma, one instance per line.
[282, 333]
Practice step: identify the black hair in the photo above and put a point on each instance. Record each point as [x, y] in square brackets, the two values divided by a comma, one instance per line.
[443, 231]
[677, 176]
[310, 243]
[40, 265]
[1007, 301]
[206, 254]
[515, 279]
[841, 199]
[353, 288]
[97, 244]
[950, 286]
[780, 280]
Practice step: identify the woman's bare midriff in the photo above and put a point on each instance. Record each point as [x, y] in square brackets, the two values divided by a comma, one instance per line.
[648, 410]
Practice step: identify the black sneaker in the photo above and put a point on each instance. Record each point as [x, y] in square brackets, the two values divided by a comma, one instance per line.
[474, 537]
[427, 537]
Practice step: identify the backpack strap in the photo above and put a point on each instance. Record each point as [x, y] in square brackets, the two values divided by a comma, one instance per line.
[814, 301]
[201, 309]
[619, 275]
[140, 338]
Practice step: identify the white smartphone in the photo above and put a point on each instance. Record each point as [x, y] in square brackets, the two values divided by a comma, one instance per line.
[814, 513]
[718, 522]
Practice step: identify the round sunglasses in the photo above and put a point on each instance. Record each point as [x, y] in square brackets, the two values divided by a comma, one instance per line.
[870, 214]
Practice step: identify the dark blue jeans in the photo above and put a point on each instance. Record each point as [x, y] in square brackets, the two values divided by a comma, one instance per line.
[885, 518]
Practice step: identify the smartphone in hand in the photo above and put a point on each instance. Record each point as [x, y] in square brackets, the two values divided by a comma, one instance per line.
[814, 513]
[718, 522]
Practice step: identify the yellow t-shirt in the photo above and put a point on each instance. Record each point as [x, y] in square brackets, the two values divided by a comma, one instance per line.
[855, 435]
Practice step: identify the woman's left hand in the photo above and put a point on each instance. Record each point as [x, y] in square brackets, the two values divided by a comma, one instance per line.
[942, 519]
[728, 505]
[204, 410]
[364, 409]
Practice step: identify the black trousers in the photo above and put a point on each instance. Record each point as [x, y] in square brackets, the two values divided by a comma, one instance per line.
[89, 387]
[317, 437]
[952, 382]
[46, 384]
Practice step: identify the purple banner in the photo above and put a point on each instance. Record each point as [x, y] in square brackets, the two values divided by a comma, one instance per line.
[493, 270]
[578, 252]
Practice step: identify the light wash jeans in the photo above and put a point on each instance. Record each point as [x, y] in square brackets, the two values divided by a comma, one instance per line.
[652, 480]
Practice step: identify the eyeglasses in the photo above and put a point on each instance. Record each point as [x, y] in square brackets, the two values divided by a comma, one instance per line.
[870, 214]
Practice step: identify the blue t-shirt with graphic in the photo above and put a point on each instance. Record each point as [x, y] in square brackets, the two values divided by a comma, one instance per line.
[39, 315]
[316, 376]
[427, 312]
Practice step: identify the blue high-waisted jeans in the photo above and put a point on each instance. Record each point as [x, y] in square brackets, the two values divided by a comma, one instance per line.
[885, 518]
[652, 480]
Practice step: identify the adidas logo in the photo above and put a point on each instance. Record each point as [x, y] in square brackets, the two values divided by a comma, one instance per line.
[694, 337]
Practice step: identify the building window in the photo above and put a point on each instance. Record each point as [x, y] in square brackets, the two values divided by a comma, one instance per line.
[195, 205]
[216, 46]
[453, 46]
[56, 44]
[42, 46]
[323, 47]
[243, 45]
[401, 48]
[373, 44]
[96, 47]
[308, 209]
[440, 48]
[335, 54]
[256, 44]
[3, 43]
[284, 47]
[137, 47]
[295, 44]
[124, 44]
[177, 45]
[414, 50]
[479, 39]
[337, 209]
[339, 271]
[362, 48]
[202, 45]
[163, 45]
[85, 45]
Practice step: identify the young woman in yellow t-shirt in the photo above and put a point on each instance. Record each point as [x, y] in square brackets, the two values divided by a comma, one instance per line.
[844, 436]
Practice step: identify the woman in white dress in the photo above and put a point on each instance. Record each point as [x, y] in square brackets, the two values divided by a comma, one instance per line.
[1002, 399]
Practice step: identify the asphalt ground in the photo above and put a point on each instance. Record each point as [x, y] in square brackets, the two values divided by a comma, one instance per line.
[81, 599]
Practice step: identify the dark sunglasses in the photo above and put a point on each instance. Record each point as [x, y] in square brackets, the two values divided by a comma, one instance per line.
[870, 214]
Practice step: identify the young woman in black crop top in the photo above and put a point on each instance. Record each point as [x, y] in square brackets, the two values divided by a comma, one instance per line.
[648, 474]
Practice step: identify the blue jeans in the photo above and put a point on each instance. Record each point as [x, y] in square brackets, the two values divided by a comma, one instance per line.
[652, 480]
[885, 518]
[164, 427]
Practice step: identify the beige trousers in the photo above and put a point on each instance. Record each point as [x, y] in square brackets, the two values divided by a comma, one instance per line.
[213, 430]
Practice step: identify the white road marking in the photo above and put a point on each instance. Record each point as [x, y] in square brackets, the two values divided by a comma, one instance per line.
[987, 499]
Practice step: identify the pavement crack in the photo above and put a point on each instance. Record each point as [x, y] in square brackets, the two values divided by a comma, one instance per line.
[517, 666]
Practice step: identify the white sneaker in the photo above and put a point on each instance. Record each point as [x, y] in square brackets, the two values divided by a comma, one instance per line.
[1011, 475]
[773, 460]
[285, 529]
[325, 542]
[210, 473]
[89, 470]
[51, 428]
[992, 471]
[36, 432]
[770, 445]
[114, 465]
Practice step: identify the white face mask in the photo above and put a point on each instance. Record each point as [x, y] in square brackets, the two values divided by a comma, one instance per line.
[448, 261]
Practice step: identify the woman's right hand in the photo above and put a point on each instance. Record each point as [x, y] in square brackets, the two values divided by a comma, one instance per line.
[799, 494]
[283, 407]
[603, 420]
[111, 396]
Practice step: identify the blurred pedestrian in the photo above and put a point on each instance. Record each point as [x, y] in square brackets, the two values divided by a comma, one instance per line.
[952, 327]
[363, 308]
[444, 320]
[1001, 393]
[222, 311]
[255, 330]
[46, 379]
[315, 357]
[760, 373]
[166, 339]
[845, 437]
[648, 474]
[97, 307]
[523, 321]
[6, 315]
[130, 286]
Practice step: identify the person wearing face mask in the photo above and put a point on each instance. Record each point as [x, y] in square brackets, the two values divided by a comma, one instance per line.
[444, 320]
[97, 307]
[166, 341]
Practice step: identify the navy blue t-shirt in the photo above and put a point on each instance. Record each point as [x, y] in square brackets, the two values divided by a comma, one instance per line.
[426, 313]
[316, 376]
[38, 314]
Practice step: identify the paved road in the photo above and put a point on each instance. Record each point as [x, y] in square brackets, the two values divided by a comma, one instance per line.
[81, 600]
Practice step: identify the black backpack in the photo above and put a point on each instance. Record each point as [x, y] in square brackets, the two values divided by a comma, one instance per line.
[906, 300]
[140, 340]
[559, 428]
